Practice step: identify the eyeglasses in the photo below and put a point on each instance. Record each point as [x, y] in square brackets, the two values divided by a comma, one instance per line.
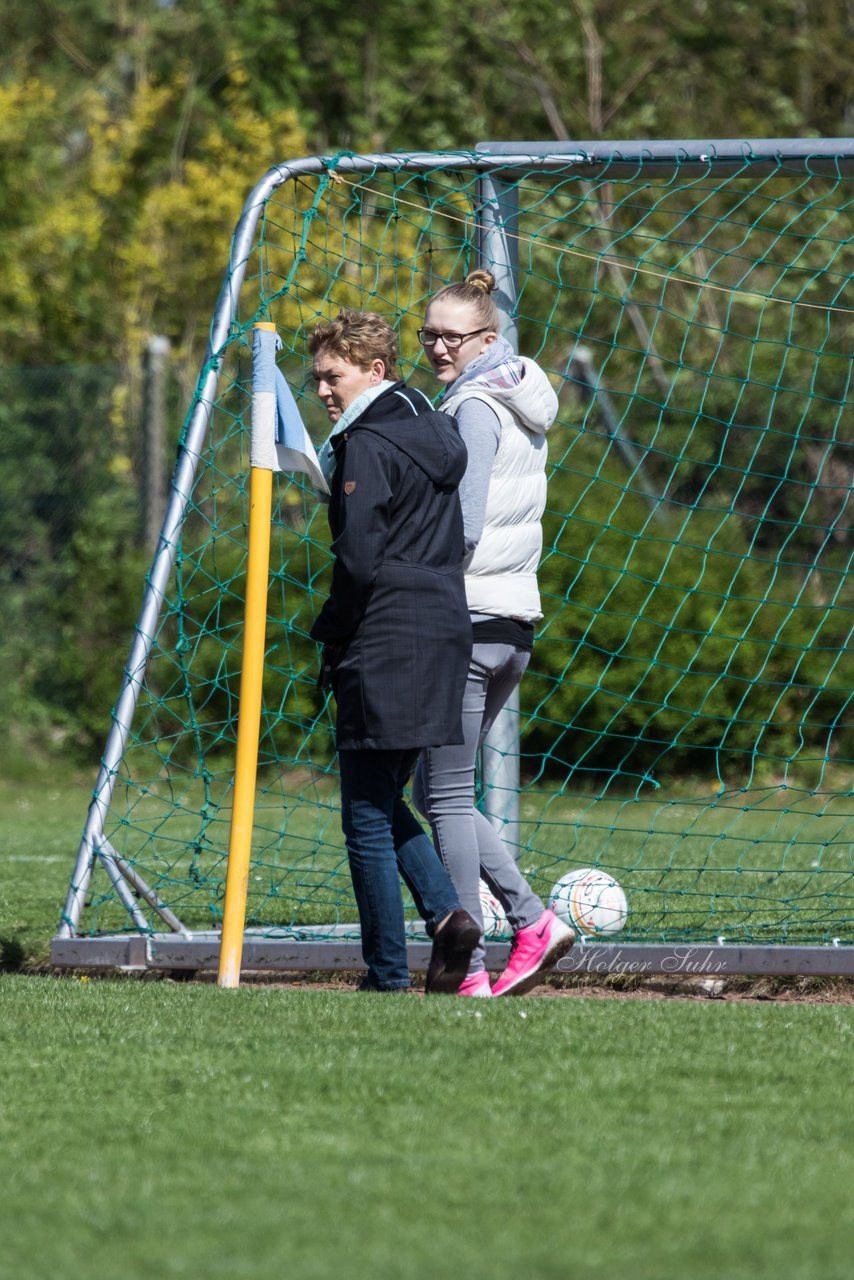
[452, 341]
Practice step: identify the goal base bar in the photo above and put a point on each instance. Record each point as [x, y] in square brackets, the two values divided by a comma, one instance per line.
[339, 949]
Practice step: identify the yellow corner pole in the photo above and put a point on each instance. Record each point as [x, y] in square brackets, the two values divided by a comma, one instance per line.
[248, 723]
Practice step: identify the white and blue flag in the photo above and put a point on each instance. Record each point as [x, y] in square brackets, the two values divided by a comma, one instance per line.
[279, 441]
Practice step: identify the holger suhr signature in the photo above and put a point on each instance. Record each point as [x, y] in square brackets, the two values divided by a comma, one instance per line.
[593, 959]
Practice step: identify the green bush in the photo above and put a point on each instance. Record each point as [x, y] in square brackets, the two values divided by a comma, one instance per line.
[667, 645]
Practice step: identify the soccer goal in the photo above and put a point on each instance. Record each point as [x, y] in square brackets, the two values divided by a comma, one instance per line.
[687, 721]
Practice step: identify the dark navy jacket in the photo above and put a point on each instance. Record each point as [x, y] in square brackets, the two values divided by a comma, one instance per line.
[396, 625]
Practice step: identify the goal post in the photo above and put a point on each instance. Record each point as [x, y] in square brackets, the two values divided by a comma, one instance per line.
[686, 721]
[497, 243]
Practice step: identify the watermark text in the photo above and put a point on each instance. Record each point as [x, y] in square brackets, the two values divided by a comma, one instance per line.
[596, 959]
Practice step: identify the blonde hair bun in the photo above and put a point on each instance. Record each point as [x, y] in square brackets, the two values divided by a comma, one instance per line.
[481, 279]
[474, 292]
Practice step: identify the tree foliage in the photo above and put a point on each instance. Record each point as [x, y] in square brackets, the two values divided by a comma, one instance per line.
[131, 133]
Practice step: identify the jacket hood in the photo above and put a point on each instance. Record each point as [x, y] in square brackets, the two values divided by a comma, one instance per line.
[512, 380]
[429, 438]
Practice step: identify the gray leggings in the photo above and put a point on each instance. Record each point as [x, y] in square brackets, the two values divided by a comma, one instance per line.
[443, 791]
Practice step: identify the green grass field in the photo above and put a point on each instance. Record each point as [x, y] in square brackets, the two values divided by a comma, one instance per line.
[40, 825]
[156, 1129]
[169, 1130]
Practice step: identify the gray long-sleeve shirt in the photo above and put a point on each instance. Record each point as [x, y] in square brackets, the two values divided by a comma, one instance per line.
[481, 433]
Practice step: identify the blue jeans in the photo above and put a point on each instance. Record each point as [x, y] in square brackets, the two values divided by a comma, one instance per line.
[384, 840]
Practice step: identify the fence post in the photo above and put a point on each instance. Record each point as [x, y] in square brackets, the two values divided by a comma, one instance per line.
[156, 367]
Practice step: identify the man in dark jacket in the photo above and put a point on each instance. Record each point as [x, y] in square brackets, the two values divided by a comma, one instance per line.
[396, 634]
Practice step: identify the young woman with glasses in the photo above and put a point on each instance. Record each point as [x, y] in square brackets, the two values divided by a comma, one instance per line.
[504, 405]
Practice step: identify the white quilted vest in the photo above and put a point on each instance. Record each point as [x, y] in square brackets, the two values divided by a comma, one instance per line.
[501, 572]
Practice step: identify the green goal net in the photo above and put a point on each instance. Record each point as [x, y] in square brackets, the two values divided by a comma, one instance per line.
[687, 721]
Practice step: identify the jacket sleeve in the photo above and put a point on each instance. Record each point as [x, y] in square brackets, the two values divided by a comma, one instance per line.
[481, 433]
[359, 548]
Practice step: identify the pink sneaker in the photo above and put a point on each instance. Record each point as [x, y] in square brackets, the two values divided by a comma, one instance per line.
[476, 984]
[534, 949]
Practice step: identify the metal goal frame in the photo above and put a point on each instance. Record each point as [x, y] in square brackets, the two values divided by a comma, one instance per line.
[169, 945]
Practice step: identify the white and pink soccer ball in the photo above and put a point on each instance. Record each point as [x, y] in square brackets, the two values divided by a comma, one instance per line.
[590, 901]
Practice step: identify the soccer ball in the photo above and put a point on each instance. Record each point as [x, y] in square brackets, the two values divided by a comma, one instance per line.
[495, 922]
[590, 900]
